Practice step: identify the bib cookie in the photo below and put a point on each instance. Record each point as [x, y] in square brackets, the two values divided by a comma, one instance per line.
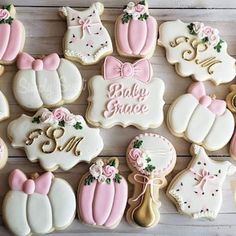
[126, 95]
[150, 157]
[39, 205]
[4, 107]
[12, 36]
[201, 119]
[86, 40]
[102, 194]
[197, 190]
[197, 50]
[3, 153]
[48, 82]
[57, 139]
[136, 31]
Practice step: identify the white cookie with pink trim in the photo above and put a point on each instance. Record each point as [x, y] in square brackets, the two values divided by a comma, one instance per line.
[57, 138]
[126, 95]
[197, 190]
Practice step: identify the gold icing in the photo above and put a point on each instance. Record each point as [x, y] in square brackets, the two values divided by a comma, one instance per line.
[178, 41]
[33, 135]
[208, 63]
[71, 144]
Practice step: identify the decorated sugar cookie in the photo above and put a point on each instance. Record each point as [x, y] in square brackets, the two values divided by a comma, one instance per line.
[136, 31]
[102, 194]
[38, 205]
[197, 190]
[4, 107]
[57, 138]
[232, 149]
[201, 119]
[12, 36]
[126, 95]
[150, 157]
[48, 82]
[3, 153]
[86, 40]
[197, 50]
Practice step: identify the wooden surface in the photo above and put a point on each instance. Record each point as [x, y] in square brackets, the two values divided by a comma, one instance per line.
[44, 31]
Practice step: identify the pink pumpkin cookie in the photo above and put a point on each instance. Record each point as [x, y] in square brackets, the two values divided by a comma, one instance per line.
[136, 31]
[12, 36]
[102, 194]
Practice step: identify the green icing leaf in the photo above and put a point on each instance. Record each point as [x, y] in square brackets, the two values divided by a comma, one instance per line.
[117, 178]
[108, 180]
[78, 125]
[218, 46]
[61, 123]
[36, 120]
[7, 21]
[138, 143]
[126, 17]
[112, 162]
[143, 16]
[142, 2]
[149, 168]
[148, 160]
[191, 30]
[89, 180]
[205, 40]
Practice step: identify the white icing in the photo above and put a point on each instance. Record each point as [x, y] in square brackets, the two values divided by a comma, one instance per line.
[223, 72]
[3, 154]
[189, 119]
[189, 196]
[4, 107]
[98, 99]
[90, 146]
[47, 88]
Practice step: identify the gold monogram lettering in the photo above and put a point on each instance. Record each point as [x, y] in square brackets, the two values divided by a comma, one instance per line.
[33, 135]
[72, 144]
[208, 63]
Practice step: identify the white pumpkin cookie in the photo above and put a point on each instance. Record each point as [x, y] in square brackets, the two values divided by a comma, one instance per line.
[126, 95]
[86, 40]
[197, 50]
[12, 36]
[136, 31]
[39, 205]
[57, 139]
[48, 82]
[197, 190]
[201, 119]
[3, 153]
[4, 107]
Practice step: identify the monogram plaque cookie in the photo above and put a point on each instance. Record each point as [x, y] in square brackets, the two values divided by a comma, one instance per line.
[57, 139]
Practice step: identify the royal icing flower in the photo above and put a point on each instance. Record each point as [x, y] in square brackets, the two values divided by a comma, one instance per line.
[99, 162]
[136, 15]
[60, 113]
[140, 8]
[135, 153]
[47, 117]
[4, 14]
[140, 161]
[102, 178]
[109, 171]
[95, 171]
[198, 27]
[70, 119]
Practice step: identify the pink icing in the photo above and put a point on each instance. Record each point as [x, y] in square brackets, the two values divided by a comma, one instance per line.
[60, 113]
[4, 37]
[27, 62]
[19, 182]
[135, 153]
[4, 14]
[216, 106]
[109, 171]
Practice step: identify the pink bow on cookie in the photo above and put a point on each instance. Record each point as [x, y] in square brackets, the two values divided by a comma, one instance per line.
[19, 182]
[216, 106]
[27, 62]
[114, 69]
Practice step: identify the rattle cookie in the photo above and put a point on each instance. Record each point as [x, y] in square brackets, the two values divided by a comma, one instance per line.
[4, 107]
[102, 194]
[12, 36]
[57, 138]
[200, 118]
[150, 157]
[126, 95]
[197, 190]
[49, 82]
[197, 50]
[86, 40]
[3, 153]
[136, 31]
[38, 205]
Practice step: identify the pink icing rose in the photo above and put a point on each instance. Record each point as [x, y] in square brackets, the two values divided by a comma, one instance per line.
[140, 161]
[95, 171]
[207, 31]
[109, 171]
[47, 117]
[140, 8]
[135, 153]
[198, 27]
[214, 38]
[70, 119]
[4, 14]
[60, 113]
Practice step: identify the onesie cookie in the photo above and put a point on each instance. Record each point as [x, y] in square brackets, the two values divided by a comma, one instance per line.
[57, 138]
[102, 194]
[197, 50]
[49, 82]
[38, 205]
[197, 190]
[150, 157]
[200, 118]
[136, 31]
[12, 36]
[3, 153]
[126, 95]
[4, 107]
[86, 40]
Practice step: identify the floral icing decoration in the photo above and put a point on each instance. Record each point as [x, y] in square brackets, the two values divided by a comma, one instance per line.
[134, 11]
[103, 173]
[5, 17]
[141, 158]
[206, 34]
[59, 116]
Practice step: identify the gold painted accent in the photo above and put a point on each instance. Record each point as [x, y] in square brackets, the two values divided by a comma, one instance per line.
[231, 98]
[208, 63]
[178, 41]
[233, 101]
[33, 135]
[71, 144]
